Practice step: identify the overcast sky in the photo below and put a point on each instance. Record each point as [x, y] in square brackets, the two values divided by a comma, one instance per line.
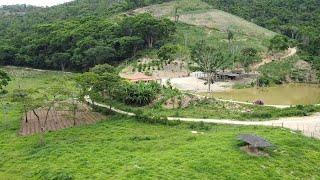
[33, 2]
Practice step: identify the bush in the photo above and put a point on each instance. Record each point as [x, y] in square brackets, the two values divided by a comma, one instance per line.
[199, 126]
[142, 117]
[103, 68]
[168, 52]
[140, 94]
[258, 115]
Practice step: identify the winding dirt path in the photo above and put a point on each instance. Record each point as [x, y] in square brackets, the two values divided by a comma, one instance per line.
[289, 53]
[308, 125]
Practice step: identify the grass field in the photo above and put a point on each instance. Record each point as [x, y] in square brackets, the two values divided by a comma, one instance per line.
[121, 148]
[124, 148]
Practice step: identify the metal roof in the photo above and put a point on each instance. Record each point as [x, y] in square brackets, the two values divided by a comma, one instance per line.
[254, 140]
[228, 74]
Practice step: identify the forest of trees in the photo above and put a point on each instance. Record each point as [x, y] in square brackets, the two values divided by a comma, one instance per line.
[78, 35]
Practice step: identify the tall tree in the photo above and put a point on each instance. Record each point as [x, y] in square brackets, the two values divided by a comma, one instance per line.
[248, 57]
[61, 59]
[209, 60]
[152, 29]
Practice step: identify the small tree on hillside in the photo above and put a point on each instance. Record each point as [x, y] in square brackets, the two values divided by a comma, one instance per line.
[209, 60]
[31, 100]
[230, 37]
[278, 43]
[248, 57]
[52, 95]
[87, 83]
[36, 103]
[22, 96]
[176, 14]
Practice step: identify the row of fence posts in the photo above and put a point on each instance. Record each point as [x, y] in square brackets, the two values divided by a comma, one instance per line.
[314, 134]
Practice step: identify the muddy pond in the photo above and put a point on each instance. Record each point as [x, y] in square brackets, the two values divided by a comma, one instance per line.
[289, 94]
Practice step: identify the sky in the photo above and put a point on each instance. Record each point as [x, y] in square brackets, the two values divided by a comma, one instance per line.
[33, 2]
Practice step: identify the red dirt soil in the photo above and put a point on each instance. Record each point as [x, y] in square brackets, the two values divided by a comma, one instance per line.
[57, 120]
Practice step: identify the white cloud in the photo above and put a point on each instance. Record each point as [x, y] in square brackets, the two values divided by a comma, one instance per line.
[33, 2]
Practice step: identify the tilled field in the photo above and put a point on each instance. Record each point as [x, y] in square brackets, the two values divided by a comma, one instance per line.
[57, 120]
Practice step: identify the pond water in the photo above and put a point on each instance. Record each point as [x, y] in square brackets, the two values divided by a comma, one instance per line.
[289, 94]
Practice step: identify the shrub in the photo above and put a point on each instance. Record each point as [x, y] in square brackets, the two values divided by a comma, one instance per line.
[140, 94]
[199, 126]
[168, 52]
[103, 68]
[258, 115]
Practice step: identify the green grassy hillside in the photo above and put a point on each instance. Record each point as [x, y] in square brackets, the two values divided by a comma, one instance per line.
[201, 21]
[121, 148]
[202, 14]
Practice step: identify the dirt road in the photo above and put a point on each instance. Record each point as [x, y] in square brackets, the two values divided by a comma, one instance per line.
[290, 52]
[308, 125]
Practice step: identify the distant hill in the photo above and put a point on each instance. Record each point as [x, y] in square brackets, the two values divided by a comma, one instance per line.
[297, 19]
[201, 21]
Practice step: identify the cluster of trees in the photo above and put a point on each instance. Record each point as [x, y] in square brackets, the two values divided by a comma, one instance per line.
[296, 19]
[103, 82]
[83, 43]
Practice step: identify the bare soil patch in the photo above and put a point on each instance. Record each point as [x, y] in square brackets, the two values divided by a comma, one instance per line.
[57, 120]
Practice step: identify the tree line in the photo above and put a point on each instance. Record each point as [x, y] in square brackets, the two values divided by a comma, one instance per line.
[82, 43]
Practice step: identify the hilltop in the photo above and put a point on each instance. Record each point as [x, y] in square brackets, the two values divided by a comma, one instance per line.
[16, 10]
[199, 13]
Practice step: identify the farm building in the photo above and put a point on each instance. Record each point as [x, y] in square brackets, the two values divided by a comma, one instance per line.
[219, 76]
[228, 75]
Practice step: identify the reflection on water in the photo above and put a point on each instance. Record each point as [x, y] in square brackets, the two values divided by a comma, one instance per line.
[290, 94]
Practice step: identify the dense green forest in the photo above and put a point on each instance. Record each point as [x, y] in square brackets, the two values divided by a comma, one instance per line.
[297, 19]
[78, 35]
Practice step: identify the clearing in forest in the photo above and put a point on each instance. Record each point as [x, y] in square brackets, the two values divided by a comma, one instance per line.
[199, 13]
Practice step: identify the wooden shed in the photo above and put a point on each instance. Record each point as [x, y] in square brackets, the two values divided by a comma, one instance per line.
[254, 143]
